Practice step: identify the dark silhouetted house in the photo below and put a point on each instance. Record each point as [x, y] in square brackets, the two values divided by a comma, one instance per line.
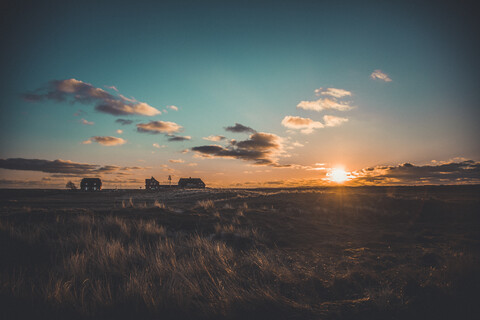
[152, 184]
[191, 183]
[91, 184]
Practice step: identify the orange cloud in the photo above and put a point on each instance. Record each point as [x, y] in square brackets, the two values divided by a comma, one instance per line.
[155, 127]
[306, 125]
[106, 141]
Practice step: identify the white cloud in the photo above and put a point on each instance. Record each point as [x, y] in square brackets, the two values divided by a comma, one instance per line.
[176, 161]
[214, 138]
[333, 121]
[174, 108]
[119, 131]
[324, 104]
[297, 144]
[380, 75]
[332, 92]
[329, 102]
[156, 145]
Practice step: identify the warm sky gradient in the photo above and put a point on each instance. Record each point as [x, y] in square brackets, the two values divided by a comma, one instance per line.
[238, 93]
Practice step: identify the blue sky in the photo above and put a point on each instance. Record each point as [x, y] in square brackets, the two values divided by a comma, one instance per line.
[227, 62]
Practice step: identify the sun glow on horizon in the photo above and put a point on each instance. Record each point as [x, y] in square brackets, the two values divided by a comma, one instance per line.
[338, 175]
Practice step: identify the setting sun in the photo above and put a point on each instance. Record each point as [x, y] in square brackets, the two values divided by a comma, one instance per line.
[338, 175]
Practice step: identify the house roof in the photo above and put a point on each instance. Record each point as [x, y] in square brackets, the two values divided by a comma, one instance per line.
[196, 180]
[92, 180]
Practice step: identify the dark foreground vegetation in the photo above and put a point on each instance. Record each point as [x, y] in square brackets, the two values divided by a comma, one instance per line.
[338, 253]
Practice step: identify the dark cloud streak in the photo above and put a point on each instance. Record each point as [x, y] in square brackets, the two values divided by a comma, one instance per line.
[466, 171]
[260, 148]
[82, 92]
[179, 138]
[124, 122]
[60, 166]
[240, 128]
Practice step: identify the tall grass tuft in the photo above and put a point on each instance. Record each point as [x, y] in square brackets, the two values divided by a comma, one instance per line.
[159, 205]
[206, 204]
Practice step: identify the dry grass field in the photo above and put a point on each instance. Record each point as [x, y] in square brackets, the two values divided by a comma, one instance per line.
[332, 253]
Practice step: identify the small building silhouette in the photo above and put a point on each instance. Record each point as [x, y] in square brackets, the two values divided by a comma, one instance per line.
[152, 184]
[191, 183]
[91, 184]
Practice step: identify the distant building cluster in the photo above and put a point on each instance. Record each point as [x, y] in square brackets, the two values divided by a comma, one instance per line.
[185, 183]
[191, 183]
[95, 184]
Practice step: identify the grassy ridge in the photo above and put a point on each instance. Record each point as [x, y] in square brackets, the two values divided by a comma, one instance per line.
[340, 253]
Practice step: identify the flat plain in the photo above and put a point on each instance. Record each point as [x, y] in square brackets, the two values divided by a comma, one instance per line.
[321, 253]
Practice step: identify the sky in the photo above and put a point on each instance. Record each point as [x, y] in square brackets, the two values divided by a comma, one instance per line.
[239, 93]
